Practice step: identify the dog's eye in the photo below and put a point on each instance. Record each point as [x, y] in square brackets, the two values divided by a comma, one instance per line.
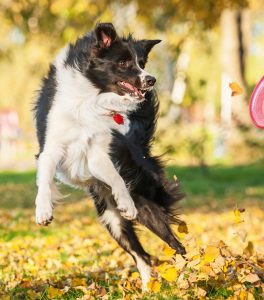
[123, 64]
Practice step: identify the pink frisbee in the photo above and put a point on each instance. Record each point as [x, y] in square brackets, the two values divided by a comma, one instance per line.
[256, 105]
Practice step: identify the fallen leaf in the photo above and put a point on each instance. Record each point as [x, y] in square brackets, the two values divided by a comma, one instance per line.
[201, 292]
[33, 295]
[180, 262]
[183, 284]
[169, 274]
[168, 251]
[236, 89]
[211, 253]
[192, 254]
[135, 275]
[163, 267]
[238, 217]
[249, 250]
[194, 262]
[208, 271]
[251, 278]
[78, 282]
[154, 286]
[219, 261]
[182, 227]
[53, 292]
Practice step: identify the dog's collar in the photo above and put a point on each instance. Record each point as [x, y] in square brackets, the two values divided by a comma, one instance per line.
[117, 117]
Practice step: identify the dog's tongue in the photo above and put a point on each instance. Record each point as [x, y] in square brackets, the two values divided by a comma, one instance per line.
[130, 86]
[133, 89]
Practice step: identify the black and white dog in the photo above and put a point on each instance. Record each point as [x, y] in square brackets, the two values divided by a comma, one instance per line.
[95, 115]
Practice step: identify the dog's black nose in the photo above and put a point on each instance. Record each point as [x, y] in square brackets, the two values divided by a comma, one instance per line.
[150, 80]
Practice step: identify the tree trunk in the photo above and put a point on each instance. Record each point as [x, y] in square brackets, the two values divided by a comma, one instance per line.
[235, 39]
[179, 86]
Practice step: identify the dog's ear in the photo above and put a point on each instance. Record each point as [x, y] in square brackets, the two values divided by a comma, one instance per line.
[147, 45]
[105, 34]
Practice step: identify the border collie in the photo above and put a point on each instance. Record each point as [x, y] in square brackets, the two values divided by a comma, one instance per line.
[95, 116]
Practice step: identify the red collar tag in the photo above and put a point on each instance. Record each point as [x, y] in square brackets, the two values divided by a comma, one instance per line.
[119, 119]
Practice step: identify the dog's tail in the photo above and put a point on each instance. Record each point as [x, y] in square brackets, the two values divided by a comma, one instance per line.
[158, 219]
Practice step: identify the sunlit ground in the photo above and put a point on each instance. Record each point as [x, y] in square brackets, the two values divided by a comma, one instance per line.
[76, 258]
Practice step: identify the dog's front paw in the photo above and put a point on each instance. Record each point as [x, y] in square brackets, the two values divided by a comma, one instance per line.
[43, 213]
[127, 209]
[125, 203]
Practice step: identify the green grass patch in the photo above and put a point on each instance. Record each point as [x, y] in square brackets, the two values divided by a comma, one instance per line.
[218, 187]
[221, 185]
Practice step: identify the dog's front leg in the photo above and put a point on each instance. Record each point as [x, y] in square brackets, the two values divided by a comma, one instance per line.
[102, 168]
[47, 162]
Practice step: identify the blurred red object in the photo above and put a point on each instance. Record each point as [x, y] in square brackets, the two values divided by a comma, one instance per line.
[256, 105]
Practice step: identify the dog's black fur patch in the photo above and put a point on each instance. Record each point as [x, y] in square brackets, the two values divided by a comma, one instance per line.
[43, 105]
[155, 197]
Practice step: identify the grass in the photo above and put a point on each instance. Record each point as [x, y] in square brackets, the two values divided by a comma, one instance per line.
[76, 245]
[220, 187]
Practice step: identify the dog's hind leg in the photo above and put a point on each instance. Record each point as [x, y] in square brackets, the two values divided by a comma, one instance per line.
[158, 221]
[123, 232]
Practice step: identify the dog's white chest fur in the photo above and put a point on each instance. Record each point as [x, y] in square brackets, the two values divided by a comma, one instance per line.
[79, 120]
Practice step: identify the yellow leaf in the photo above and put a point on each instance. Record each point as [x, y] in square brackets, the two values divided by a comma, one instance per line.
[182, 228]
[238, 218]
[154, 286]
[236, 89]
[170, 274]
[249, 250]
[33, 295]
[53, 292]
[135, 275]
[128, 285]
[163, 267]
[78, 282]
[5, 297]
[242, 295]
[250, 296]
[207, 270]
[221, 244]
[168, 251]
[211, 253]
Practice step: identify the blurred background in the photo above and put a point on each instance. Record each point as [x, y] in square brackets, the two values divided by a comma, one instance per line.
[206, 134]
[206, 45]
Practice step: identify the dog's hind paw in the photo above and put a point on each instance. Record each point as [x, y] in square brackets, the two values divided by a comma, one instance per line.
[180, 249]
[127, 210]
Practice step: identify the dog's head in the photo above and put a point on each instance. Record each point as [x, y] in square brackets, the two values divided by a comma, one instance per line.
[117, 64]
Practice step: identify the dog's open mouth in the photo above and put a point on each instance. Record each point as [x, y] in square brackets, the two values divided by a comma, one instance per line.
[132, 90]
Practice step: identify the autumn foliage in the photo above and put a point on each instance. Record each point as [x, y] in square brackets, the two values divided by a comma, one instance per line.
[75, 258]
